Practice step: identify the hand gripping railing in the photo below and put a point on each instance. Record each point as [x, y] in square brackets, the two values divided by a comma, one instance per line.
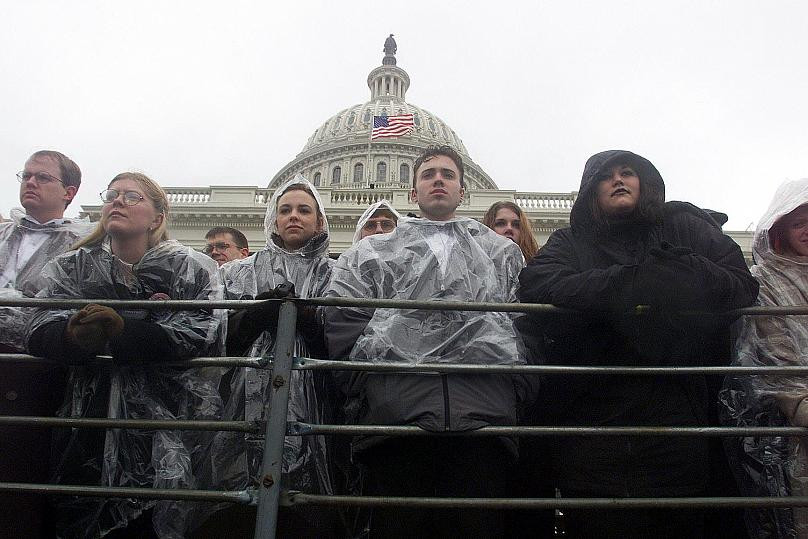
[269, 494]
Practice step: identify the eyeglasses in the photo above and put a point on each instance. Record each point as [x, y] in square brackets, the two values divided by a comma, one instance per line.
[217, 246]
[42, 178]
[130, 198]
[387, 225]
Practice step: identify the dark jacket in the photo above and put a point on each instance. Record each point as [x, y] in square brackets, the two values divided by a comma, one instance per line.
[604, 270]
[480, 266]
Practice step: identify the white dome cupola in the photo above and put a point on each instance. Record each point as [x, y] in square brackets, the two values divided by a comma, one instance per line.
[388, 81]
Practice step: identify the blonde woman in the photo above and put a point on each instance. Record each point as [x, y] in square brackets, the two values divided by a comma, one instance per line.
[129, 257]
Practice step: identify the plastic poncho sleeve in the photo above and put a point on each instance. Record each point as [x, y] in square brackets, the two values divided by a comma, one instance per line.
[771, 341]
[344, 325]
[169, 335]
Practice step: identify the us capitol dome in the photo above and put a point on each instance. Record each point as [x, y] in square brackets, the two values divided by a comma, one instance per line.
[340, 154]
[351, 172]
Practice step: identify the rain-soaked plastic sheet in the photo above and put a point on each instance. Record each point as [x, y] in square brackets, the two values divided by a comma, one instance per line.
[773, 466]
[456, 260]
[23, 277]
[235, 461]
[137, 458]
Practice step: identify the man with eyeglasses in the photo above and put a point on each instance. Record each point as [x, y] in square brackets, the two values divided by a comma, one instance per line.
[379, 218]
[48, 183]
[226, 244]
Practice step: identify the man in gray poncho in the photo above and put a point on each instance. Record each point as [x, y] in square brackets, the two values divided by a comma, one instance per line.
[438, 257]
[48, 183]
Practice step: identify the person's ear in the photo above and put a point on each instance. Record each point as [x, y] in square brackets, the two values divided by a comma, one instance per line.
[158, 221]
[70, 193]
[414, 196]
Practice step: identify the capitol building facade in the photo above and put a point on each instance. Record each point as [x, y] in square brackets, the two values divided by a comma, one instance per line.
[351, 172]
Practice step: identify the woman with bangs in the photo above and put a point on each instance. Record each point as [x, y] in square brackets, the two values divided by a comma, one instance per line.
[509, 220]
[129, 257]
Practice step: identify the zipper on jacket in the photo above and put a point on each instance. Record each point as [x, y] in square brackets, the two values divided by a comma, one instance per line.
[445, 379]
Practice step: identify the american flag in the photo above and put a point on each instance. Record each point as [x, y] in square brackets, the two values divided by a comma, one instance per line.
[391, 126]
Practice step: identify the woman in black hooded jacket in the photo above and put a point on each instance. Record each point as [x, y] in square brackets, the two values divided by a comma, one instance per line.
[625, 247]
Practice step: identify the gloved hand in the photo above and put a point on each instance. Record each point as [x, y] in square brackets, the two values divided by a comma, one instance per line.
[671, 277]
[266, 314]
[93, 326]
[671, 253]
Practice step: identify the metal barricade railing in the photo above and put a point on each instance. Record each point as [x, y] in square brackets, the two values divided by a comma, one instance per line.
[268, 495]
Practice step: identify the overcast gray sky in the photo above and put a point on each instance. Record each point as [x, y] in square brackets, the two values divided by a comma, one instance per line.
[200, 93]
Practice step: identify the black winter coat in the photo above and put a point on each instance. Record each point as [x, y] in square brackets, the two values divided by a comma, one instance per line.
[605, 271]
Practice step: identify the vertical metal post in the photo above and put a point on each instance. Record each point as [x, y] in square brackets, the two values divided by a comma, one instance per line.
[269, 487]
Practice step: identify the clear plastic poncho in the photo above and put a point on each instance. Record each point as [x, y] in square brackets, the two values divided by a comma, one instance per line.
[236, 461]
[27, 281]
[455, 260]
[373, 208]
[773, 466]
[136, 458]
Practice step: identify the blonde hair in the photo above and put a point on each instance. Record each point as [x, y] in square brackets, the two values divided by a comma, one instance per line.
[154, 193]
[527, 242]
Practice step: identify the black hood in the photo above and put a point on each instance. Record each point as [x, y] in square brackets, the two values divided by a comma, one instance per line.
[651, 183]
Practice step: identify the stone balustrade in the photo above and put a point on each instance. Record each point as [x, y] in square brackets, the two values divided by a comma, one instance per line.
[356, 197]
[352, 195]
[545, 201]
[179, 196]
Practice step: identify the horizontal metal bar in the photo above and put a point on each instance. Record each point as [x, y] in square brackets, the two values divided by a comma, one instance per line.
[151, 305]
[197, 362]
[436, 305]
[299, 498]
[243, 497]
[133, 424]
[306, 363]
[307, 429]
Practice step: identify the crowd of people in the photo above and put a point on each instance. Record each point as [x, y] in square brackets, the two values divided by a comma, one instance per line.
[625, 246]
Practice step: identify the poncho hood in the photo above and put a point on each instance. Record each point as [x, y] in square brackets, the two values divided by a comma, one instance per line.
[316, 246]
[373, 208]
[789, 196]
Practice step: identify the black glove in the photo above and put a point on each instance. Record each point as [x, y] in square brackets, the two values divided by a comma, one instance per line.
[671, 253]
[672, 277]
[246, 325]
[266, 314]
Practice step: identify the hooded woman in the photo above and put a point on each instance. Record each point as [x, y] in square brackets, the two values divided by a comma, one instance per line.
[296, 253]
[625, 247]
[129, 257]
[774, 466]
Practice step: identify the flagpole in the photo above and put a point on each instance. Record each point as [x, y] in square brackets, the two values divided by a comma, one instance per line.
[370, 139]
